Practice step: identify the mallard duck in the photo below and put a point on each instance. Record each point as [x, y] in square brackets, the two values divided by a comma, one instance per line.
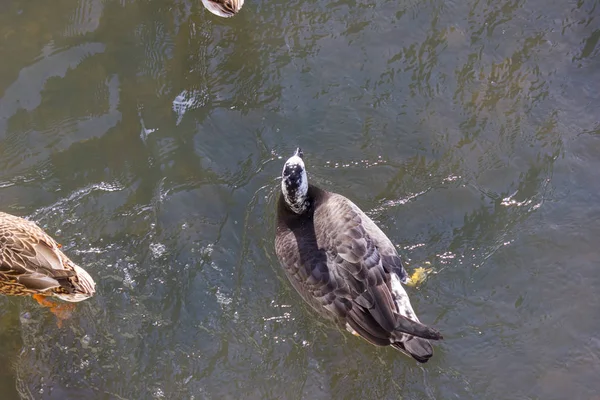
[344, 266]
[32, 264]
[223, 8]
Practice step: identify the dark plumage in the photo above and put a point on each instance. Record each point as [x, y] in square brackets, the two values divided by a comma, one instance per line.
[344, 266]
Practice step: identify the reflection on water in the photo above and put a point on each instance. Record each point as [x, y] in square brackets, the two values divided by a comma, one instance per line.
[148, 138]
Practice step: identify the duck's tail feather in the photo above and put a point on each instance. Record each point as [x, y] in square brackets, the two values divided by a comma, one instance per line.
[417, 348]
[416, 328]
[82, 289]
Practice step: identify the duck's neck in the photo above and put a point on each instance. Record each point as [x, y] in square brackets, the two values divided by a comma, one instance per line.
[297, 203]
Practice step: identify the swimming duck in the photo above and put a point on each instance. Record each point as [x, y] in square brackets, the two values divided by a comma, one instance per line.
[32, 264]
[223, 8]
[344, 266]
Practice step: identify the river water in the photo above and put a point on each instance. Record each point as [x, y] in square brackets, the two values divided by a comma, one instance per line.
[147, 137]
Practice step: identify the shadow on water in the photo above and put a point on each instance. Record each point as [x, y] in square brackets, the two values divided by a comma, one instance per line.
[148, 138]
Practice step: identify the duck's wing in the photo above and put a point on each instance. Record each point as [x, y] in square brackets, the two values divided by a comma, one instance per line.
[29, 256]
[357, 269]
[390, 260]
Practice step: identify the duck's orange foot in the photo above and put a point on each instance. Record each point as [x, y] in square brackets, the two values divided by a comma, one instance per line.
[62, 311]
[43, 300]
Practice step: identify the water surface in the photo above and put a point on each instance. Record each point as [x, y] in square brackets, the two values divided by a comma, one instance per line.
[147, 137]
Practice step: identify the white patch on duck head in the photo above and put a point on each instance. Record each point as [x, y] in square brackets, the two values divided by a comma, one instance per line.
[294, 183]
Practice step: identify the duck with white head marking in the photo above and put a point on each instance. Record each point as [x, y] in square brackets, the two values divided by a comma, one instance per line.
[294, 183]
[344, 266]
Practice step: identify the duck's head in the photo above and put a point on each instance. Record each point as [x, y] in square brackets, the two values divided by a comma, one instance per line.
[294, 183]
[223, 8]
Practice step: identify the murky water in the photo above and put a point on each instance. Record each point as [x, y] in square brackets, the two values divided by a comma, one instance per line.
[147, 137]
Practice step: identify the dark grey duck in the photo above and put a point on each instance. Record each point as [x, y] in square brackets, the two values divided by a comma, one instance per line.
[344, 266]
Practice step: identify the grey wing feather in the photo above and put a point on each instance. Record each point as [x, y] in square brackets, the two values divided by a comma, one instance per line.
[390, 260]
[360, 257]
[354, 260]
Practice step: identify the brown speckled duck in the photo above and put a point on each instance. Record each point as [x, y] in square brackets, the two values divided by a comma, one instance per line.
[32, 264]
